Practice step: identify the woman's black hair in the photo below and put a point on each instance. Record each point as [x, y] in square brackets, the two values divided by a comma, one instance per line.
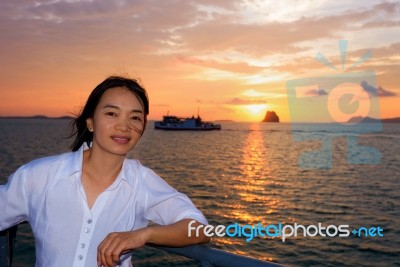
[78, 125]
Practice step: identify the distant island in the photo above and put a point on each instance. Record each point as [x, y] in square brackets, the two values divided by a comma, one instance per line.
[37, 117]
[373, 120]
[224, 121]
[270, 116]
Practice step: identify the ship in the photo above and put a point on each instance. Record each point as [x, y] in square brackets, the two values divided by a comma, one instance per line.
[185, 124]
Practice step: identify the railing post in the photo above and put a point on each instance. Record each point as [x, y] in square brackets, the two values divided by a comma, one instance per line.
[4, 249]
[7, 241]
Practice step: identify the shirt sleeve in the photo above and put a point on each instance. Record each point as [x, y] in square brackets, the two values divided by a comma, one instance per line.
[165, 205]
[14, 199]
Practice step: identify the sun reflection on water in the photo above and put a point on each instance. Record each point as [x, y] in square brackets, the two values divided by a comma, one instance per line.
[251, 186]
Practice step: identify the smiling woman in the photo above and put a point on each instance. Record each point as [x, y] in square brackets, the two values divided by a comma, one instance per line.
[89, 206]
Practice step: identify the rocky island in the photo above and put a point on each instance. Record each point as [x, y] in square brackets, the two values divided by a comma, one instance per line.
[270, 116]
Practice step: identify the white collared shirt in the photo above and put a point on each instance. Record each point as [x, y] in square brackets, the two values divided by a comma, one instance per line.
[48, 193]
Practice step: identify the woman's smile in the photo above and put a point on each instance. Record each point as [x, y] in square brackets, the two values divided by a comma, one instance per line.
[122, 140]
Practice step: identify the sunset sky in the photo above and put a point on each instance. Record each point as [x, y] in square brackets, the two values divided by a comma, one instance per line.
[229, 59]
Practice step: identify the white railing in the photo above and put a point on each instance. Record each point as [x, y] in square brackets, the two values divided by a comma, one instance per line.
[209, 257]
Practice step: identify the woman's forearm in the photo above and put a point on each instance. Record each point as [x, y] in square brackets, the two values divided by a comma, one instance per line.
[175, 235]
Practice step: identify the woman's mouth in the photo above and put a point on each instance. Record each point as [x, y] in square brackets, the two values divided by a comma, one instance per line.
[121, 139]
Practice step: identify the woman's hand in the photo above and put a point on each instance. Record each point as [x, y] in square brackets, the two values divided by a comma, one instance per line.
[110, 250]
[174, 235]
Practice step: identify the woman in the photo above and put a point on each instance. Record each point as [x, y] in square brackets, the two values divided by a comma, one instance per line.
[91, 205]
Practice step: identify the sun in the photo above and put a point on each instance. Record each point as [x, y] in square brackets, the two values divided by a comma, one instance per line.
[256, 109]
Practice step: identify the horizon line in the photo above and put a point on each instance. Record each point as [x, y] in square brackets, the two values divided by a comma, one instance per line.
[39, 116]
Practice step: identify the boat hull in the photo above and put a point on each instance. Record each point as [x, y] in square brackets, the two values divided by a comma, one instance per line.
[172, 128]
[174, 123]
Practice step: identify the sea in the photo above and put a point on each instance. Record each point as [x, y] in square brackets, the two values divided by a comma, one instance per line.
[249, 175]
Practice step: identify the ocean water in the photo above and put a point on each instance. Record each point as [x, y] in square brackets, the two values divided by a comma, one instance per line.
[248, 173]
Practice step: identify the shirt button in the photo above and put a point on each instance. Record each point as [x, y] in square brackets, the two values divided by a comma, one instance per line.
[80, 257]
[82, 245]
[89, 221]
[87, 230]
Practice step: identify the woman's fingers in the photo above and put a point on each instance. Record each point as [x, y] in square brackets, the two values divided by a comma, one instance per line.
[110, 249]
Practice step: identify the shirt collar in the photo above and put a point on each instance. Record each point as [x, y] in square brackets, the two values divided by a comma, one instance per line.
[122, 176]
[73, 164]
[73, 161]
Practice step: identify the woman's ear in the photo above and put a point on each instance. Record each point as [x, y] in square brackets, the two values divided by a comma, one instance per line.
[89, 124]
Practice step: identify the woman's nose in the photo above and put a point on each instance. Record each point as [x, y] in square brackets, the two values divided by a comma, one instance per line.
[123, 125]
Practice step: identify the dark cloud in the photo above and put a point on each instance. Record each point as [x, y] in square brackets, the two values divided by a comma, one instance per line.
[376, 91]
[314, 92]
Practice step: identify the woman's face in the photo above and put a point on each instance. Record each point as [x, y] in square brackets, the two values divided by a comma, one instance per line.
[117, 122]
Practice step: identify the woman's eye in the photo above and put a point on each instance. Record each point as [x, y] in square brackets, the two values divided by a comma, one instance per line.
[111, 114]
[136, 118]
